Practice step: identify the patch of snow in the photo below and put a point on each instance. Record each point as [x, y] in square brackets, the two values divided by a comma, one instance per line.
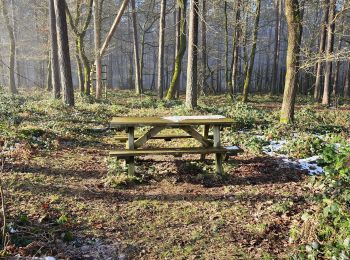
[274, 147]
[232, 148]
[178, 119]
[307, 164]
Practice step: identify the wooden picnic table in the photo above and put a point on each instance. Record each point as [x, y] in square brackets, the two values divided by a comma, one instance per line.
[157, 124]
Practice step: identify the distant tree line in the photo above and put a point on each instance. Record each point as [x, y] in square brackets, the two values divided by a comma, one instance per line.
[168, 46]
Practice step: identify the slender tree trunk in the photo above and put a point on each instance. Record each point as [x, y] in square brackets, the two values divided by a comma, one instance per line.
[114, 26]
[235, 61]
[276, 53]
[294, 21]
[49, 75]
[177, 46]
[347, 80]
[10, 31]
[252, 54]
[55, 70]
[138, 88]
[177, 71]
[142, 58]
[192, 59]
[98, 58]
[79, 66]
[86, 68]
[317, 92]
[160, 82]
[227, 77]
[204, 47]
[329, 51]
[63, 53]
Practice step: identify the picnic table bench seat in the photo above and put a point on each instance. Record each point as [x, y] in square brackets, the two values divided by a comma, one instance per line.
[125, 153]
[166, 137]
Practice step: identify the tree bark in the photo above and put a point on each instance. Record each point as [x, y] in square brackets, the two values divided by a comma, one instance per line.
[114, 25]
[182, 4]
[83, 62]
[294, 21]
[276, 53]
[160, 82]
[97, 39]
[204, 47]
[329, 51]
[347, 80]
[63, 53]
[317, 92]
[10, 31]
[138, 88]
[252, 54]
[55, 70]
[227, 77]
[235, 60]
[192, 59]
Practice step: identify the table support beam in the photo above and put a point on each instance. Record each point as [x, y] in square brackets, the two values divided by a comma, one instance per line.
[206, 136]
[131, 145]
[218, 157]
[191, 131]
[147, 136]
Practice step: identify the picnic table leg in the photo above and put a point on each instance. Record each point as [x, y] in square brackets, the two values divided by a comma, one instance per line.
[218, 157]
[131, 145]
[206, 135]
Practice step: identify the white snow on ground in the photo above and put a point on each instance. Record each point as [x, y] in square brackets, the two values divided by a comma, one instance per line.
[307, 164]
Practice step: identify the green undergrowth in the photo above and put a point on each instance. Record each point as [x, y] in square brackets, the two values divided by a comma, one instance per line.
[325, 229]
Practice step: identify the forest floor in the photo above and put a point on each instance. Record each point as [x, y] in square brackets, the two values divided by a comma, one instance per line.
[61, 201]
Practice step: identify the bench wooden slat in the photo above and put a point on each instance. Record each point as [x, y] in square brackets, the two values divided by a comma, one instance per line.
[174, 151]
[123, 138]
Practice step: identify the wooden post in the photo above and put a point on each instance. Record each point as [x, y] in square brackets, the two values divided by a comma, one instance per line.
[206, 135]
[218, 156]
[131, 145]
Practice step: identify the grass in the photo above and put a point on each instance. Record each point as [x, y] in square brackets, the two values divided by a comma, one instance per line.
[58, 179]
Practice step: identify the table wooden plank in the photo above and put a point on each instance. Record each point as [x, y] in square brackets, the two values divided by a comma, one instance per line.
[168, 151]
[118, 122]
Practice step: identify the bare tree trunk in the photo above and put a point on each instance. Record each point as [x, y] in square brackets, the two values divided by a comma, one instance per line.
[329, 51]
[138, 88]
[160, 82]
[177, 46]
[317, 93]
[98, 59]
[191, 86]
[55, 70]
[347, 80]
[235, 61]
[294, 21]
[178, 62]
[79, 67]
[204, 48]
[12, 82]
[276, 53]
[252, 54]
[15, 34]
[63, 53]
[227, 77]
[114, 26]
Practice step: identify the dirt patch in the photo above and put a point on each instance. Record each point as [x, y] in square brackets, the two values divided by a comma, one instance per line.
[181, 211]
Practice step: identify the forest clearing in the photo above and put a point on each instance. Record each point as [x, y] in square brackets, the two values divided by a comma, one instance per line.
[65, 197]
[174, 129]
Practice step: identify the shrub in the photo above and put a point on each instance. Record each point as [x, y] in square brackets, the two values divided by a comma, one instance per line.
[332, 231]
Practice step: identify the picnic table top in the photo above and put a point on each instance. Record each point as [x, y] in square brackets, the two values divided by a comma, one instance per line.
[118, 122]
